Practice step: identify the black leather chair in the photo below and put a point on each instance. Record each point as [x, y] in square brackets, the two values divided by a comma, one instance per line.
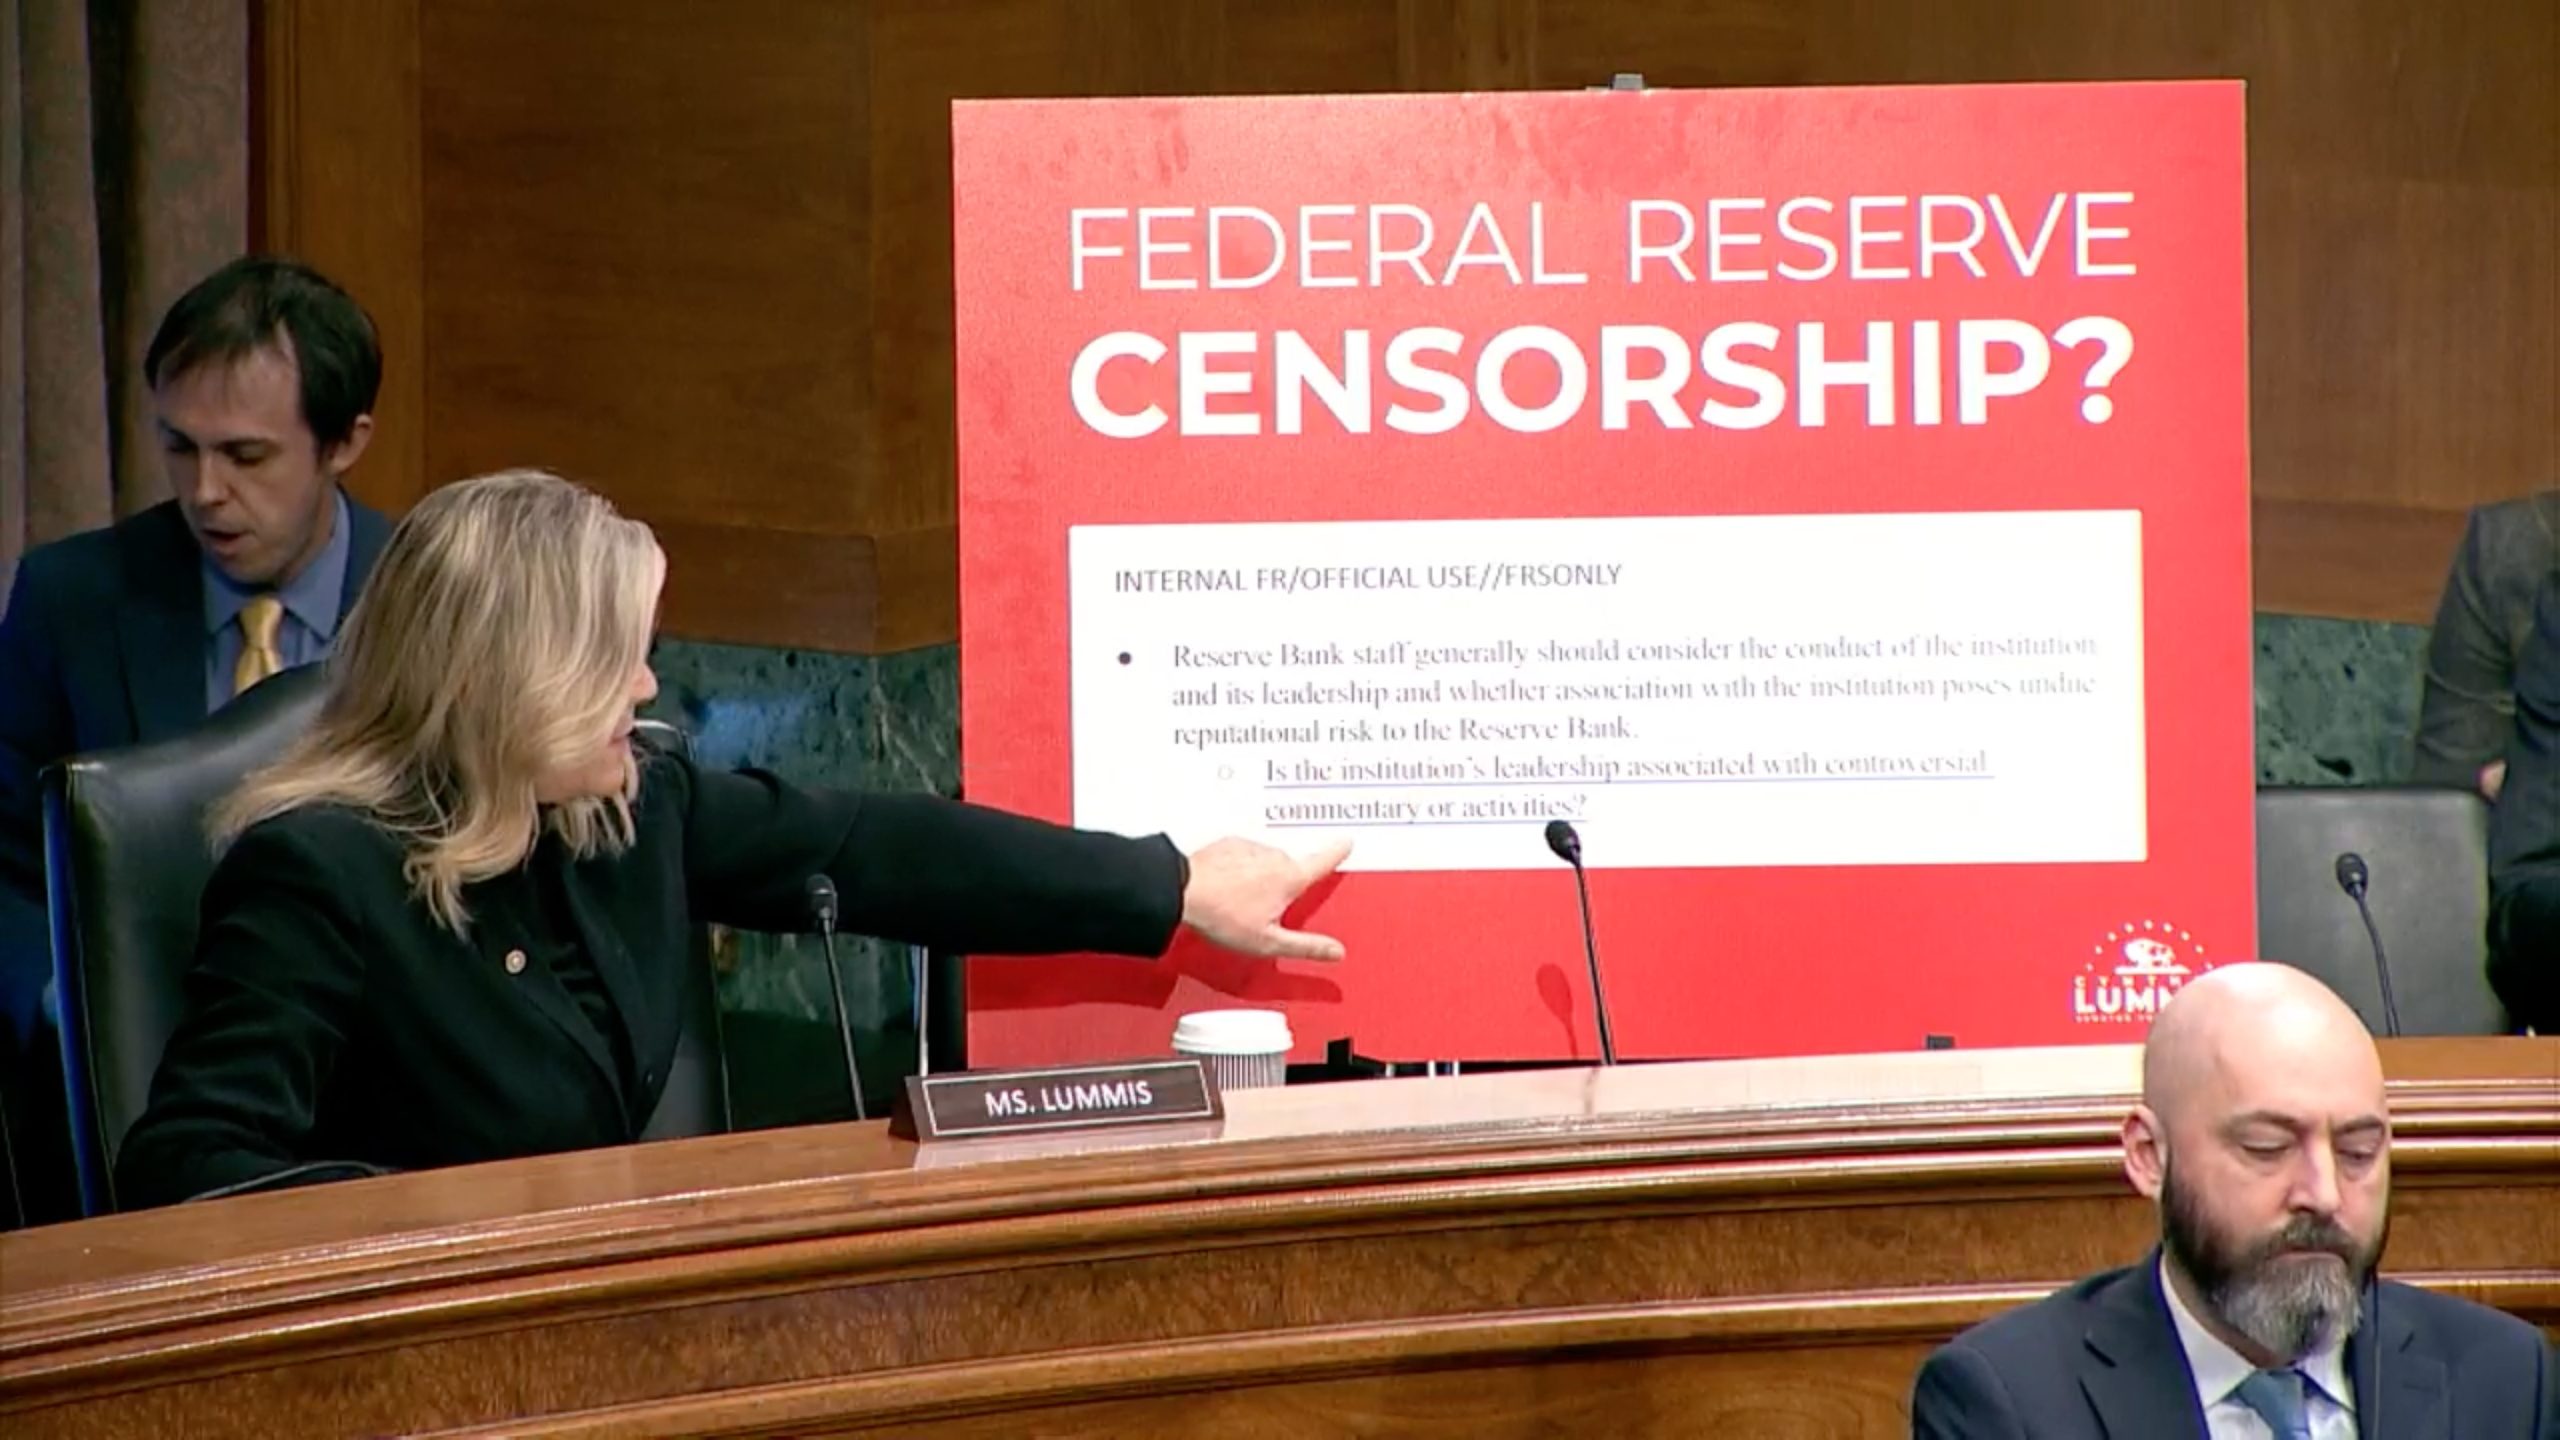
[126, 859]
[2426, 851]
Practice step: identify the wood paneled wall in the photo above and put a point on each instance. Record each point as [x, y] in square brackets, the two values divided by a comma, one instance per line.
[700, 254]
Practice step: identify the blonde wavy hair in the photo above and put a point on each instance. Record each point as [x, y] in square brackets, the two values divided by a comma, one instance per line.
[495, 641]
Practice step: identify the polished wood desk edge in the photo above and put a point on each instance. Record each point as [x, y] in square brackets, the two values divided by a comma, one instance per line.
[1599, 1166]
[92, 1341]
[1376, 1124]
[885, 1220]
[1798, 1091]
[999, 1384]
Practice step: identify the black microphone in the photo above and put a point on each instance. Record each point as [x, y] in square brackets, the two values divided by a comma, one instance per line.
[2353, 878]
[822, 908]
[1568, 847]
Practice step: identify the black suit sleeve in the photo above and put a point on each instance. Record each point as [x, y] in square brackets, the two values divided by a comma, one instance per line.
[35, 731]
[2524, 842]
[2462, 712]
[277, 981]
[2547, 1377]
[922, 869]
[1959, 1397]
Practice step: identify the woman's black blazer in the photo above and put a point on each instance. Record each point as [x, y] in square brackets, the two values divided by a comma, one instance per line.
[330, 1017]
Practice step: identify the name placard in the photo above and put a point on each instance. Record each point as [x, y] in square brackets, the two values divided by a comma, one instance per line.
[979, 1103]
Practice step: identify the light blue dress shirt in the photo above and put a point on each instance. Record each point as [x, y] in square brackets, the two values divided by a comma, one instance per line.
[311, 601]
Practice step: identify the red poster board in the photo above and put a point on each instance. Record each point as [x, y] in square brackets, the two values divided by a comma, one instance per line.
[1834, 501]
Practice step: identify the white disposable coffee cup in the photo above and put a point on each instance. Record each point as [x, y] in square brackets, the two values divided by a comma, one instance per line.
[1244, 1049]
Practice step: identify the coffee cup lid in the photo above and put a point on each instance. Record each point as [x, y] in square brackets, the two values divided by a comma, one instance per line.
[1232, 1032]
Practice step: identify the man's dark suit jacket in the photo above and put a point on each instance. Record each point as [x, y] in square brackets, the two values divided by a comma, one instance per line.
[2102, 1359]
[329, 1017]
[2524, 836]
[102, 645]
[2466, 710]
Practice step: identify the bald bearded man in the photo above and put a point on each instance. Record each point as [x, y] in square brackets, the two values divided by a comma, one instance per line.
[2263, 1137]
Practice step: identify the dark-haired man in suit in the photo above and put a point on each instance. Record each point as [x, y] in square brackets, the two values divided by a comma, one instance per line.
[263, 378]
[2262, 1135]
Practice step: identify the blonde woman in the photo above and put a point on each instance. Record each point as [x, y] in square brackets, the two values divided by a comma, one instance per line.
[451, 924]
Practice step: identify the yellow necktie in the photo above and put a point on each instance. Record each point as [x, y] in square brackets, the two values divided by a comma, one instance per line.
[259, 658]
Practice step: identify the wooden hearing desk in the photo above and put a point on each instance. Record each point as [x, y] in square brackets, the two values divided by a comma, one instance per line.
[1746, 1248]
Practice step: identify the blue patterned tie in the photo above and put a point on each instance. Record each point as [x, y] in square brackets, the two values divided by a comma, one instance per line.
[2277, 1397]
